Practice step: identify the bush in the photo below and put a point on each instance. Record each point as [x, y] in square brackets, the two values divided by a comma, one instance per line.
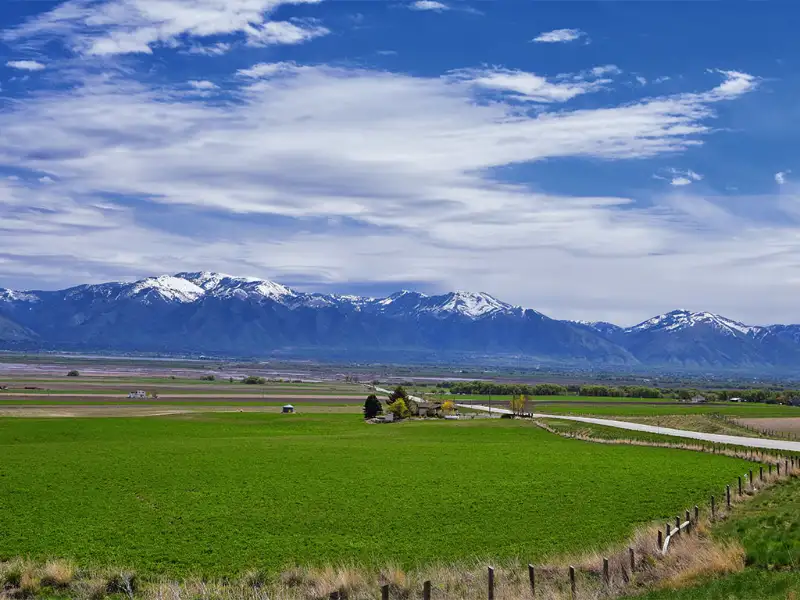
[208, 378]
[399, 409]
[254, 380]
[73, 373]
[372, 407]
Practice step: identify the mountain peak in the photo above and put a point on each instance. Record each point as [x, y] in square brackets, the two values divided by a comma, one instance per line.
[682, 319]
[167, 287]
[470, 304]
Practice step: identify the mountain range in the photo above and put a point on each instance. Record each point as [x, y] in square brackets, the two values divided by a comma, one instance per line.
[209, 313]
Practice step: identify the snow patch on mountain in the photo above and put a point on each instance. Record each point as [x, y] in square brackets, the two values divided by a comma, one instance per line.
[220, 285]
[469, 304]
[682, 319]
[12, 296]
[168, 287]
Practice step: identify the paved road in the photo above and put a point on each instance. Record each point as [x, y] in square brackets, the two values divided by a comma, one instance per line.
[735, 440]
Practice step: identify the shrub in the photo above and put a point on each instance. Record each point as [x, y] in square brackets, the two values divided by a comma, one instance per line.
[399, 409]
[254, 380]
[73, 373]
[208, 378]
[372, 407]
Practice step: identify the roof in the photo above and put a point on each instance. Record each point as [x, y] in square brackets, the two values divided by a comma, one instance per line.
[288, 406]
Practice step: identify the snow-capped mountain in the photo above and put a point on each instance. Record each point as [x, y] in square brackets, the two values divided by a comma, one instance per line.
[681, 319]
[213, 312]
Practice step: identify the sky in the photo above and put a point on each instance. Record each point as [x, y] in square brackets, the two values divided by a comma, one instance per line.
[599, 161]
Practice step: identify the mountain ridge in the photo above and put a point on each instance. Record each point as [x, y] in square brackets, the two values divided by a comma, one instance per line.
[205, 311]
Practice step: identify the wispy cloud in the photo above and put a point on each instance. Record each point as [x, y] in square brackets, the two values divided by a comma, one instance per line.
[736, 83]
[679, 178]
[285, 32]
[203, 85]
[136, 26]
[535, 88]
[428, 5]
[559, 36]
[217, 49]
[25, 65]
[268, 69]
[780, 177]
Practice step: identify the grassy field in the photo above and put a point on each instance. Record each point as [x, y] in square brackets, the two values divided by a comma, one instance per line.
[769, 528]
[219, 493]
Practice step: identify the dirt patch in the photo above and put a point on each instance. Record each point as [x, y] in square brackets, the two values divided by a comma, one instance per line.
[783, 425]
[128, 410]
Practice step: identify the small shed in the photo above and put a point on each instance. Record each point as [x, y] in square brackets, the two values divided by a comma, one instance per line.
[138, 395]
[698, 399]
[287, 409]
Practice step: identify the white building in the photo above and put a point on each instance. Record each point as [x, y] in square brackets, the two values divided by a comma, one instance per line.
[138, 395]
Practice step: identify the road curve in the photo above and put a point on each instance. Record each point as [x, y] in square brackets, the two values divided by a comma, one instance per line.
[735, 440]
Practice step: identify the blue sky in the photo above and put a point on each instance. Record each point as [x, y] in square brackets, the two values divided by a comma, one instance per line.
[608, 160]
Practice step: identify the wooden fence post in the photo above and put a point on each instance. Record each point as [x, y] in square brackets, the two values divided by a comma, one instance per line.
[491, 583]
[385, 592]
[778, 466]
[677, 525]
[689, 521]
[426, 590]
[606, 574]
[632, 558]
[728, 495]
[786, 470]
[761, 473]
[572, 582]
[713, 509]
[740, 485]
[660, 540]
[752, 487]
[696, 514]
[532, 579]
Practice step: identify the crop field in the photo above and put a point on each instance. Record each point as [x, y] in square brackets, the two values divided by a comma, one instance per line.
[218, 493]
[733, 410]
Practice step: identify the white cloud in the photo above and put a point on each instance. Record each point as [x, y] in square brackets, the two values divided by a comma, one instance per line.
[203, 85]
[736, 83]
[559, 36]
[606, 70]
[269, 69]
[428, 5]
[641, 80]
[532, 87]
[25, 65]
[780, 177]
[679, 178]
[284, 32]
[136, 26]
[409, 159]
[217, 49]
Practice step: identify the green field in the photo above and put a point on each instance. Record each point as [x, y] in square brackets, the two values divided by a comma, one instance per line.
[219, 493]
[769, 528]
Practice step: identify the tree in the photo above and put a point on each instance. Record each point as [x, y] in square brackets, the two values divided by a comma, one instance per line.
[448, 406]
[73, 373]
[254, 380]
[399, 409]
[399, 393]
[208, 378]
[372, 407]
[518, 404]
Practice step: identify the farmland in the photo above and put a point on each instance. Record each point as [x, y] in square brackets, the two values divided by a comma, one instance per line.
[218, 493]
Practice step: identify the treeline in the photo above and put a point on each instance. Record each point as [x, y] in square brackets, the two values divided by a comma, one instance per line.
[492, 388]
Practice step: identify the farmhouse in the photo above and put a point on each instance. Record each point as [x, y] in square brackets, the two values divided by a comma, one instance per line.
[428, 409]
[287, 409]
